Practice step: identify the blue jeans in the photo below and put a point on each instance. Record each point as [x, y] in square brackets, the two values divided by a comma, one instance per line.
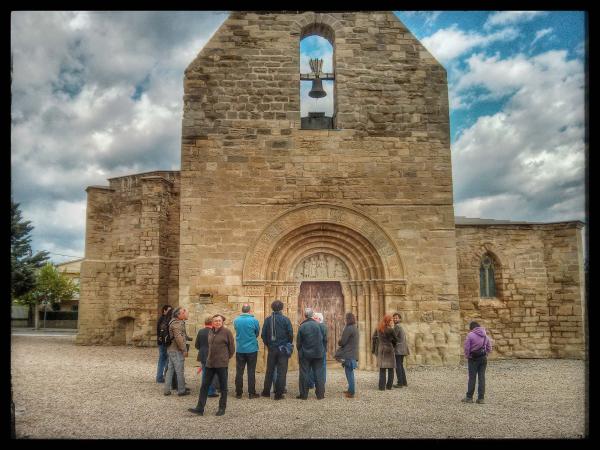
[163, 361]
[349, 366]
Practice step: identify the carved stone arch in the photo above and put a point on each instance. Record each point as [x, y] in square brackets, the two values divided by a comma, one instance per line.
[355, 251]
[258, 256]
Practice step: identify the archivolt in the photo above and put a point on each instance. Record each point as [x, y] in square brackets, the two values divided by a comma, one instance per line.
[365, 248]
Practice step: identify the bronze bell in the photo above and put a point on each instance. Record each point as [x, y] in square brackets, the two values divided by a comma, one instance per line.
[317, 90]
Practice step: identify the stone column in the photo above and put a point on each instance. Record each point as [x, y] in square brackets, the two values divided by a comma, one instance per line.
[152, 266]
[93, 297]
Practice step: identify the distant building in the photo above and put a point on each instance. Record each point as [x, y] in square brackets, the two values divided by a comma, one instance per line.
[71, 269]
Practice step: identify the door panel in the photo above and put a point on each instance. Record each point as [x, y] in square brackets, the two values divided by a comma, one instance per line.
[327, 298]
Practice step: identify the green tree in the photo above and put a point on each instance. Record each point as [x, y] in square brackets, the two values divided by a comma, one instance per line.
[23, 264]
[51, 288]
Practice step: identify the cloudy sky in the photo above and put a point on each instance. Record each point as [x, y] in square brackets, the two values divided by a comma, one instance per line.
[99, 95]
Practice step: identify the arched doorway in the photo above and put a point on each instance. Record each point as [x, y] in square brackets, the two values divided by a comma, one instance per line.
[327, 298]
[326, 243]
[124, 331]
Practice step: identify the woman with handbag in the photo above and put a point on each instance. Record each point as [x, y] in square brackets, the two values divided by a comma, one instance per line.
[347, 352]
[477, 346]
[384, 342]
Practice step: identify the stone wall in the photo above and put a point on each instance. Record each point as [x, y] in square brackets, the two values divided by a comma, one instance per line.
[131, 258]
[246, 162]
[537, 312]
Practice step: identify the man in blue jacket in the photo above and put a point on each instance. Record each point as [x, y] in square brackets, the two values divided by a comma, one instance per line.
[276, 334]
[311, 343]
[246, 331]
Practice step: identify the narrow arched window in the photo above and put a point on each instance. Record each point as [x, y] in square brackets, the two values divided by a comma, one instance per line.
[317, 79]
[487, 285]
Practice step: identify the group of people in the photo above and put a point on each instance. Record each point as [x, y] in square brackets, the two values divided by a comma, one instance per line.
[216, 346]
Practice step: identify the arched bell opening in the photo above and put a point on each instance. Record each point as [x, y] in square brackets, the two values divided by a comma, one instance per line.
[317, 79]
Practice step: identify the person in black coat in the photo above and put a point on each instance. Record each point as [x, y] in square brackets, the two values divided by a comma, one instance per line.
[276, 333]
[348, 352]
[163, 358]
[201, 345]
[311, 345]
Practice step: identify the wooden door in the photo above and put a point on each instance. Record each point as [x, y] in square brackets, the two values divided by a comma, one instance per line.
[327, 298]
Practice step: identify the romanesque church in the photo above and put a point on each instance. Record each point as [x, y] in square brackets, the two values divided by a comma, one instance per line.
[352, 212]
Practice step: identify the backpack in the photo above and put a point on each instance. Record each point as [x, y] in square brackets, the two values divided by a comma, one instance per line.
[165, 335]
[375, 343]
[163, 331]
[480, 351]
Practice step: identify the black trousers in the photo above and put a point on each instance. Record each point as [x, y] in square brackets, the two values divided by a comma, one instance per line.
[390, 378]
[211, 372]
[316, 366]
[275, 358]
[400, 373]
[476, 368]
[241, 360]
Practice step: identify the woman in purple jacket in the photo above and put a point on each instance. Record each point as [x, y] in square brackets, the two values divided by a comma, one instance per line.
[477, 346]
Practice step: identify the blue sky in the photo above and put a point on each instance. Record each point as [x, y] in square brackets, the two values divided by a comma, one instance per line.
[106, 108]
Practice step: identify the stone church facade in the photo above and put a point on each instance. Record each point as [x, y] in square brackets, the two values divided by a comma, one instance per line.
[356, 218]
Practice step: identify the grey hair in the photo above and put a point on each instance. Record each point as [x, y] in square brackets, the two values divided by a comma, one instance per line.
[308, 313]
[177, 311]
[246, 308]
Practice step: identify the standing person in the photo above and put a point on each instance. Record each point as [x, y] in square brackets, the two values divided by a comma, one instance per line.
[319, 319]
[221, 348]
[477, 346]
[401, 350]
[246, 331]
[162, 329]
[311, 344]
[277, 334]
[177, 351]
[348, 352]
[201, 345]
[384, 341]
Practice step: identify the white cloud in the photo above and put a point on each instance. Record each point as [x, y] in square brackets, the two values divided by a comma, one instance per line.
[498, 206]
[511, 17]
[429, 17]
[540, 34]
[74, 121]
[527, 161]
[449, 43]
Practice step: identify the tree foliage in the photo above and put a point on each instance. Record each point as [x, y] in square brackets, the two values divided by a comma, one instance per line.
[51, 287]
[23, 263]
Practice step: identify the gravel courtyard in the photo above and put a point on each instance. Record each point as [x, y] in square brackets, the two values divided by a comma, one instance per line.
[62, 390]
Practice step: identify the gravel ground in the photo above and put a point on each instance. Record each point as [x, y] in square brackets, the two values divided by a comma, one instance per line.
[66, 391]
